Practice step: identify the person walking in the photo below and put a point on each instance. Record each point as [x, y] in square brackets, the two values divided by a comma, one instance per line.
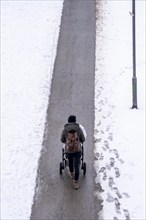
[73, 136]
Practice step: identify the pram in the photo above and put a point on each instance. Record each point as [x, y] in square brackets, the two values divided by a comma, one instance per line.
[64, 162]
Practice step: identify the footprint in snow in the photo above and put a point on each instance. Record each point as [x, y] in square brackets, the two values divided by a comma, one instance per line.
[126, 195]
[117, 172]
[101, 102]
[96, 140]
[106, 144]
[109, 198]
[99, 156]
[104, 176]
[110, 182]
[115, 218]
[126, 213]
[117, 204]
[108, 167]
[117, 192]
[112, 162]
[110, 137]
[108, 114]
[102, 170]
[98, 187]
[104, 149]
[116, 153]
[99, 123]
[96, 131]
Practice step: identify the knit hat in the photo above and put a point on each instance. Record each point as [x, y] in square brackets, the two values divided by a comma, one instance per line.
[72, 118]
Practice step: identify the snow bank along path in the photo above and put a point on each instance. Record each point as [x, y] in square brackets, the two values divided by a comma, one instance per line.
[29, 35]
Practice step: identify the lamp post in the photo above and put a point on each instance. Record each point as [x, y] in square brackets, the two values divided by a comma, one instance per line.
[134, 79]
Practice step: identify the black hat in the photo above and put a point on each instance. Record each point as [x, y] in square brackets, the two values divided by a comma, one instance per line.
[72, 118]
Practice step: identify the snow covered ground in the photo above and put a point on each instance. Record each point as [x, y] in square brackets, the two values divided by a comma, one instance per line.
[29, 33]
[120, 130]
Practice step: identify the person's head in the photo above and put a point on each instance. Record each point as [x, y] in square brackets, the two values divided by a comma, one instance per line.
[72, 118]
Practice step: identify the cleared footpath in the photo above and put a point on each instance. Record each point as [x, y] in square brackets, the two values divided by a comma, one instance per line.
[72, 92]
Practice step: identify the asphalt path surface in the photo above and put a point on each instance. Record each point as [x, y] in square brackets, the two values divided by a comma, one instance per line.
[72, 92]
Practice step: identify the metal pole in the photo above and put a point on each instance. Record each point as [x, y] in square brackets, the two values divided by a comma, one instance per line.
[134, 79]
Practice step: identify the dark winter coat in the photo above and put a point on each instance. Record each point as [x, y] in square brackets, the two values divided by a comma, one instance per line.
[72, 126]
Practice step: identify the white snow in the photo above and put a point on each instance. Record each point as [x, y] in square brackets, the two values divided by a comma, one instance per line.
[29, 34]
[120, 130]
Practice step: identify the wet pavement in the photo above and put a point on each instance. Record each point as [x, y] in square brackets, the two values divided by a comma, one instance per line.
[72, 92]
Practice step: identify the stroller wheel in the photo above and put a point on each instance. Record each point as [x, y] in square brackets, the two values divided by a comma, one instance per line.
[84, 168]
[61, 167]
